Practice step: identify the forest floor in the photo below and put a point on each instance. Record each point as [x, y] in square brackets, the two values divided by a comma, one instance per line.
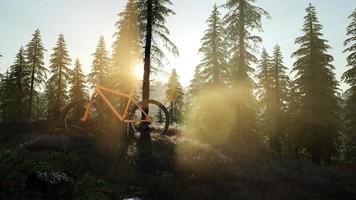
[41, 163]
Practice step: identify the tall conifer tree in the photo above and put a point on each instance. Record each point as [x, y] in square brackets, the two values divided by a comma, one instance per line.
[213, 65]
[196, 83]
[5, 101]
[241, 20]
[78, 89]
[280, 83]
[264, 91]
[126, 52]
[126, 48]
[15, 88]
[350, 78]
[152, 16]
[264, 81]
[59, 80]
[34, 55]
[175, 95]
[101, 64]
[317, 85]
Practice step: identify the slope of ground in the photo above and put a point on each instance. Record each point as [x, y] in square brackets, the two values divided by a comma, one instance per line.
[41, 163]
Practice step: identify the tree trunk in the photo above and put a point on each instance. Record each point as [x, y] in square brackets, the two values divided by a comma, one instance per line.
[147, 65]
[145, 143]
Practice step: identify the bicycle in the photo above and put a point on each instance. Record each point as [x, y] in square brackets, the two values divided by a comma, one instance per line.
[134, 114]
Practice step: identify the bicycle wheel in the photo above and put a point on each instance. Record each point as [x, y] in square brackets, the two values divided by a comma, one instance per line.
[71, 118]
[158, 113]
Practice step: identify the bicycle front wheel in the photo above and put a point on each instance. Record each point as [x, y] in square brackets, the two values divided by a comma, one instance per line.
[158, 114]
[71, 118]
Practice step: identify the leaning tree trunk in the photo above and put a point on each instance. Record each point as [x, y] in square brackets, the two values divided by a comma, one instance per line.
[145, 143]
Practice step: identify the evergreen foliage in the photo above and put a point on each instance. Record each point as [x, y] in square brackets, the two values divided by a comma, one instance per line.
[264, 91]
[213, 65]
[58, 82]
[264, 86]
[18, 88]
[34, 54]
[101, 65]
[15, 91]
[196, 83]
[175, 96]
[317, 86]
[160, 33]
[350, 78]
[279, 99]
[242, 19]
[152, 17]
[127, 47]
[299, 117]
[78, 88]
[213, 69]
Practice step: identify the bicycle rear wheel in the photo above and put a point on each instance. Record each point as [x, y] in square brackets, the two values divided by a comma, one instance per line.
[158, 113]
[71, 118]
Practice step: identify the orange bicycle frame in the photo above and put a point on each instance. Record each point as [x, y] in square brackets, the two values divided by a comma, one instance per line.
[99, 90]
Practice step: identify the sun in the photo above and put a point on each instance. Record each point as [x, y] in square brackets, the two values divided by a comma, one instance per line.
[139, 71]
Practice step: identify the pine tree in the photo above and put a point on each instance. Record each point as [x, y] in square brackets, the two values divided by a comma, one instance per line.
[19, 85]
[241, 20]
[175, 95]
[78, 89]
[34, 55]
[195, 84]
[280, 80]
[101, 64]
[59, 80]
[126, 53]
[5, 101]
[279, 95]
[15, 90]
[350, 78]
[152, 17]
[273, 92]
[317, 85]
[2, 89]
[265, 82]
[264, 91]
[213, 66]
[293, 139]
[126, 48]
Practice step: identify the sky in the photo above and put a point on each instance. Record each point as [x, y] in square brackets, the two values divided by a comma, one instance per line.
[83, 21]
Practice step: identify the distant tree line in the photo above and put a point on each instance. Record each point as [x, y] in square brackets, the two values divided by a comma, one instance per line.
[303, 115]
[31, 91]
